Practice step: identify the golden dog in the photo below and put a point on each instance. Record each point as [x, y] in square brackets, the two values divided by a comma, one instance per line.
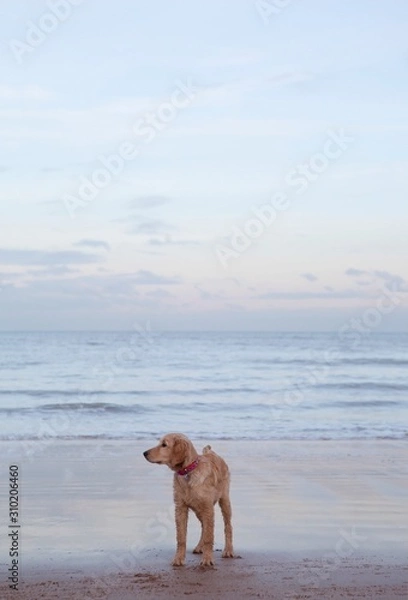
[200, 481]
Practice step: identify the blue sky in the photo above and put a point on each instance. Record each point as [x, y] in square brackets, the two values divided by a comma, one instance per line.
[142, 140]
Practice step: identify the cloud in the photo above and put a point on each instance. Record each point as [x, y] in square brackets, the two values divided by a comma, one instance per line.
[142, 226]
[56, 270]
[231, 306]
[46, 257]
[5, 275]
[386, 276]
[293, 78]
[232, 57]
[83, 293]
[159, 294]
[168, 241]
[82, 299]
[148, 278]
[204, 295]
[234, 280]
[250, 127]
[362, 282]
[309, 276]
[356, 272]
[88, 243]
[148, 201]
[308, 295]
[389, 277]
[23, 92]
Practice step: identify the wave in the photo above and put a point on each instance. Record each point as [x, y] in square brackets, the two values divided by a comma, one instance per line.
[104, 407]
[265, 362]
[283, 361]
[101, 407]
[17, 366]
[45, 393]
[164, 392]
[320, 436]
[365, 385]
[362, 404]
[392, 362]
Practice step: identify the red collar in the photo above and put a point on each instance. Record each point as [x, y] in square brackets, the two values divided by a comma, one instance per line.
[188, 469]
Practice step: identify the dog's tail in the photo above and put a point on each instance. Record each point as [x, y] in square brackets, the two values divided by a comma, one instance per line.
[207, 449]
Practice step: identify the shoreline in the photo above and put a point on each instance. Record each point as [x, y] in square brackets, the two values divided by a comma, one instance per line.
[311, 520]
[255, 575]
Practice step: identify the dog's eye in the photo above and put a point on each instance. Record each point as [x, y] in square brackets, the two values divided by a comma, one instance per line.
[164, 444]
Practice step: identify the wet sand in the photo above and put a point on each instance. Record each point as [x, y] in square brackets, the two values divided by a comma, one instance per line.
[311, 520]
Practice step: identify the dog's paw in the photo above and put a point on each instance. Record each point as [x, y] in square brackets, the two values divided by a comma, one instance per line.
[198, 550]
[178, 561]
[228, 554]
[207, 561]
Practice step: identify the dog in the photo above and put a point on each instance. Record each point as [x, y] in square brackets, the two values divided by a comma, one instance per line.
[200, 481]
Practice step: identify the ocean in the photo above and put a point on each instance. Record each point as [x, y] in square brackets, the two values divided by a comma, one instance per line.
[209, 385]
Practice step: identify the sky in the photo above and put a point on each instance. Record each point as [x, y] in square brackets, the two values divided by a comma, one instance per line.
[217, 165]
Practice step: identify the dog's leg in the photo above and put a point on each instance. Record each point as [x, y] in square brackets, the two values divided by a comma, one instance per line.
[225, 506]
[199, 548]
[181, 533]
[206, 517]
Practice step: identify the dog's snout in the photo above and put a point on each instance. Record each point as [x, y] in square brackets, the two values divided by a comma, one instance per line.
[146, 453]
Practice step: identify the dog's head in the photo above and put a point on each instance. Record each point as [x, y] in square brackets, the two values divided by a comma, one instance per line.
[174, 450]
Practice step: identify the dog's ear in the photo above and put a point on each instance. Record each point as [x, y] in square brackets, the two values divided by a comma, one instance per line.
[179, 452]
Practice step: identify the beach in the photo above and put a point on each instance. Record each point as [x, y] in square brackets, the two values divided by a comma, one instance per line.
[312, 519]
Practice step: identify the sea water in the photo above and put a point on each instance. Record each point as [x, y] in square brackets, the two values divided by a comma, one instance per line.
[209, 385]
